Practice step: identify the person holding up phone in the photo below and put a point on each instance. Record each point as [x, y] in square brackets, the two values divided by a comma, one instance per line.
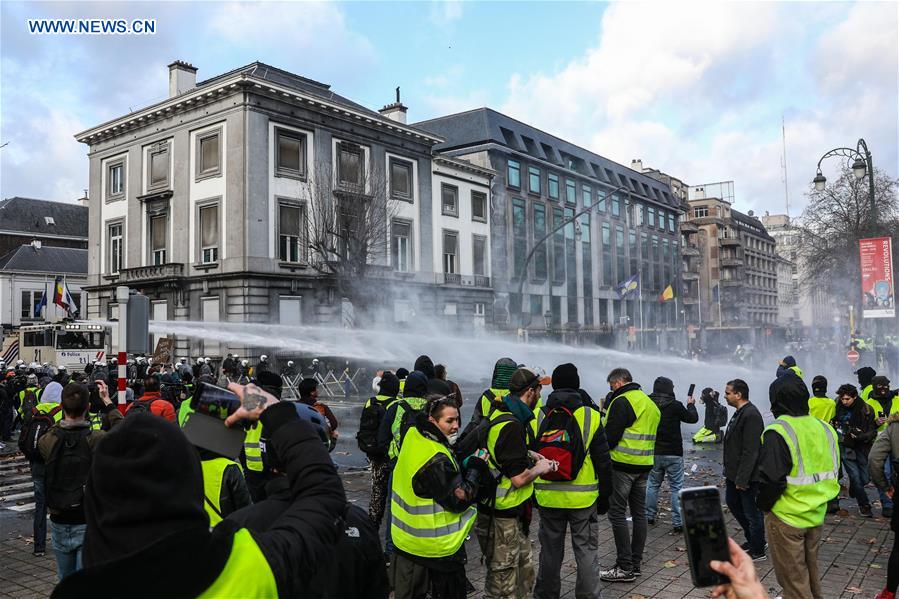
[744, 580]
[147, 530]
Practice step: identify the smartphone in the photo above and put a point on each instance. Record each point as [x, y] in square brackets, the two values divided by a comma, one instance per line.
[214, 401]
[705, 534]
[691, 390]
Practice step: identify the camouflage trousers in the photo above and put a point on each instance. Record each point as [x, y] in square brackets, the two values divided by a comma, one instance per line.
[380, 475]
[510, 564]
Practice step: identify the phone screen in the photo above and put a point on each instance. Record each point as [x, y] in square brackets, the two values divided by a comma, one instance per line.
[214, 401]
[692, 389]
[705, 533]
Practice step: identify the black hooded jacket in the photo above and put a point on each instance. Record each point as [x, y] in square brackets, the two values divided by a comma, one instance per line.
[668, 436]
[416, 386]
[621, 416]
[148, 534]
[789, 396]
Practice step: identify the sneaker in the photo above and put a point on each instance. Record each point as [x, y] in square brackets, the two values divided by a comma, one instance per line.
[651, 522]
[677, 530]
[759, 557]
[887, 512]
[39, 554]
[865, 510]
[616, 574]
[637, 571]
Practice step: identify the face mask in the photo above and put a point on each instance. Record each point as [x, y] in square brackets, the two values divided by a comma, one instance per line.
[453, 438]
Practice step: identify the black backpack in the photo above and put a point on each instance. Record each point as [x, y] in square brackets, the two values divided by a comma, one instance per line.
[37, 424]
[408, 419]
[67, 469]
[560, 438]
[29, 403]
[475, 437]
[140, 407]
[367, 437]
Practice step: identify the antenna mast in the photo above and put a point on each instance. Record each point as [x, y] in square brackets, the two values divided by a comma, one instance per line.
[783, 163]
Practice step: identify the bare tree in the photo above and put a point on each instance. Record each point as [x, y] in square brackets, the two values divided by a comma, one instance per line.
[833, 222]
[349, 219]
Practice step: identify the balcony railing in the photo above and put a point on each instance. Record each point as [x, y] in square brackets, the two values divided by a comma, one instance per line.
[731, 282]
[729, 241]
[687, 226]
[729, 261]
[463, 280]
[689, 276]
[689, 251]
[143, 274]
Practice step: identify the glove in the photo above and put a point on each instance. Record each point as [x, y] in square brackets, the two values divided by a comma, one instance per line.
[602, 505]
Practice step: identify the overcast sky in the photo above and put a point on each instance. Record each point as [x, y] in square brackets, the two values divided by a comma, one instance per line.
[697, 90]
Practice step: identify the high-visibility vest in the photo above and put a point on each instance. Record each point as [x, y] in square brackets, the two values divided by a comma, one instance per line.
[396, 428]
[813, 479]
[37, 396]
[539, 415]
[637, 444]
[822, 408]
[213, 475]
[96, 420]
[797, 370]
[402, 387]
[507, 495]
[184, 412]
[251, 448]
[584, 489]
[246, 574]
[484, 402]
[420, 526]
[866, 392]
[877, 408]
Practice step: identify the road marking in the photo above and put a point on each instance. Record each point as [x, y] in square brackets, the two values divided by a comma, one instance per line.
[22, 508]
[15, 496]
[15, 486]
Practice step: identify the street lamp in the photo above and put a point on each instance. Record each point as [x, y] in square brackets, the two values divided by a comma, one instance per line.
[861, 165]
[524, 271]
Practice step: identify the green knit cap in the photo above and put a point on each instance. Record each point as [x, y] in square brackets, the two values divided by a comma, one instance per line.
[502, 373]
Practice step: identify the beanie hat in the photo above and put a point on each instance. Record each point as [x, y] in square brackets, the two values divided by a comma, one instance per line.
[389, 385]
[819, 383]
[502, 372]
[401, 373]
[145, 483]
[663, 385]
[416, 385]
[523, 379]
[865, 375]
[269, 379]
[565, 376]
[789, 361]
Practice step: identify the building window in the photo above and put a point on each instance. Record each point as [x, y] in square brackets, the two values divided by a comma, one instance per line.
[158, 173]
[558, 246]
[158, 234]
[519, 235]
[539, 233]
[620, 253]
[291, 223]
[606, 254]
[479, 255]
[401, 246]
[210, 312]
[450, 252]
[290, 160]
[616, 205]
[480, 308]
[701, 212]
[401, 180]
[30, 300]
[534, 180]
[209, 234]
[209, 155]
[290, 310]
[449, 200]
[514, 174]
[114, 241]
[570, 191]
[651, 220]
[671, 222]
[349, 165]
[479, 206]
[661, 220]
[115, 180]
[587, 195]
[553, 186]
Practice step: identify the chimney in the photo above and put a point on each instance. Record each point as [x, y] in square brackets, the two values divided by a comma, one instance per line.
[36, 244]
[182, 78]
[637, 165]
[699, 193]
[85, 200]
[396, 111]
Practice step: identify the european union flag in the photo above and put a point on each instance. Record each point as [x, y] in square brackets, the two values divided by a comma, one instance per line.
[629, 286]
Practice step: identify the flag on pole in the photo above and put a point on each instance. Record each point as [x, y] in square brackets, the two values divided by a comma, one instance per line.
[41, 304]
[62, 297]
[668, 294]
[629, 286]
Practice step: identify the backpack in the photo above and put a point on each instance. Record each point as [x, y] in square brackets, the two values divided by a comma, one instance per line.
[408, 419]
[37, 424]
[477, 416]
[29, 403]
[140, 407]
[475, 437]
[367, 436]
[560, 438]
[67, 469]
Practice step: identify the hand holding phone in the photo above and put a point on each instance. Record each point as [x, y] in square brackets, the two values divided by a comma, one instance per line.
[690, 393]
[705, 533]
[744, 581]
[253, 401]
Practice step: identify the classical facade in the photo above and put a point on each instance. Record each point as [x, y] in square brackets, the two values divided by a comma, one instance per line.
[568, 284]
[219, 201]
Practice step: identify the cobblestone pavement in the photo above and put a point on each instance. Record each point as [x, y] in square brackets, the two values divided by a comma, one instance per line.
[853, 555]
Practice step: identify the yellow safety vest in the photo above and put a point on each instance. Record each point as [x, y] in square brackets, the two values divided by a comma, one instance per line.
[251, 448]
[584, 489]
[421, 526]
[822, 408]
[396, 428]
[797, 370]
[484, 401]
[213, 475]
[812, 480]
[246, 574]
[184, 412]
[877, 408]
[402, 387]
[866, 392]
[507, 495]
[37, 395]
[637, 445]
[96, 420]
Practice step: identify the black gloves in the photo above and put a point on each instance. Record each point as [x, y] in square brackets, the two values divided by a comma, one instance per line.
[602, 505]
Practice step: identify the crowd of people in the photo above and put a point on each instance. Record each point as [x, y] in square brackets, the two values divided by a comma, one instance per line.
[133, 504]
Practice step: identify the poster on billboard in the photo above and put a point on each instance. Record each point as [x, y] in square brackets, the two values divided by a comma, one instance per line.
[876, 256]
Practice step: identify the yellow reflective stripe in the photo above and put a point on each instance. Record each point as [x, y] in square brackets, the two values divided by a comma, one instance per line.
[439, 531]
[251, 445]
[429, 509]
[631, 451]
[637, 437]
[253, 458]
[565, 486]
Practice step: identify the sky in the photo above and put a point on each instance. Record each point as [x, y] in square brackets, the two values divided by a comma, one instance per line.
[695, 89]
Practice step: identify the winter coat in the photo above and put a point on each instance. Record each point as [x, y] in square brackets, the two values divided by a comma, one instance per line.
[669, 440]
[742, 442]
[861, 429]
[886, 447]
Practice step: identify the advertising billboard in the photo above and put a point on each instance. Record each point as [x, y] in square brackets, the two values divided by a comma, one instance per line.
[876, 257]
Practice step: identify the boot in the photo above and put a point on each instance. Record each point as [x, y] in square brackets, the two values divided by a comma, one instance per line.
[885, 594]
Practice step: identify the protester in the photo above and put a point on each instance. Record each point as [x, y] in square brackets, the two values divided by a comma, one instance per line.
[884, 403]
[668, 460]
[67, 450]
[819, 405]
[885, 451]
[798, 467]
[440, 373]
[715, 418]
[373, 414]
[572, 501]
[865, 376]
[308, 389]
[499, 387]
[742, 443]
[788, 364]
[148, 532]
[856, 428]
[631, 420]
[151, 401]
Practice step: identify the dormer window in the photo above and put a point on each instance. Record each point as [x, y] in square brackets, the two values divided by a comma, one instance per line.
[49, 220]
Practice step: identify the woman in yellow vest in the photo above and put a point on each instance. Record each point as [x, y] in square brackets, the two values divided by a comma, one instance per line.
[431, 506]
[224, 488]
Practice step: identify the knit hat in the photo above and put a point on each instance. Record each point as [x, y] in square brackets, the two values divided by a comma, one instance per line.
[389, 384]
[865, 375]
[439, 387]
[789, 361]
[663, 385]
[523, 379]
[416, 385]
[401, 373]
[270, 381]
[502, 372]
[819, 383]
[565, 376]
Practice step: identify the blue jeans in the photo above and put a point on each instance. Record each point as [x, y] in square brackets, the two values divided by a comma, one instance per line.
[671, 466]
[855, 463]
[40, 507]
[742, 506]
[67, 540]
